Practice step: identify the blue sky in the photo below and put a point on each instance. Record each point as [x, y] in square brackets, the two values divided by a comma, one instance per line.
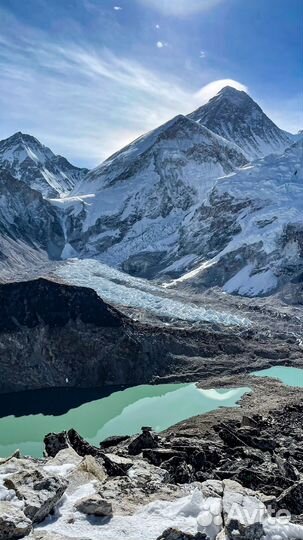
[88, 76]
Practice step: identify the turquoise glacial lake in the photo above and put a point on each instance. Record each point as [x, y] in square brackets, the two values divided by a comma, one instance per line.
[121, 413]
[26, 417]
[288, 375]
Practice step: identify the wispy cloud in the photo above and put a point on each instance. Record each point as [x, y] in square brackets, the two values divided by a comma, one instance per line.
[85, 103]
[117, 8]
[161, 44]
[180, 8]
[211, 89]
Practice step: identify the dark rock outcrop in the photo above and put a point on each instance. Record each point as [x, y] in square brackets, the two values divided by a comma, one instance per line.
[175, 534]
[57, 335]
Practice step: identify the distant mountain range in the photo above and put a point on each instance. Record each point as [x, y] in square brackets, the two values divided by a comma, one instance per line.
[212, 199]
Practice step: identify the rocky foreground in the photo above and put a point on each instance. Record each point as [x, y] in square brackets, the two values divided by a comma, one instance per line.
[234, 480]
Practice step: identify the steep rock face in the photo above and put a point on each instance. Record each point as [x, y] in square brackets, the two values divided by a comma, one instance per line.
[129, 209]
[34, 164]
[250, 230]
[27, 221]
[234, 115]
[53, 335]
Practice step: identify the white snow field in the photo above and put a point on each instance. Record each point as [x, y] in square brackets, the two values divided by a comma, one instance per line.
[118, 288]
[273, 188]
[191, 513]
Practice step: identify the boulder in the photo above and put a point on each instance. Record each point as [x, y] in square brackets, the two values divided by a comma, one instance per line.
[89, 469]
[16, 454]
[13, 522]
[212, 488]
[116, 465]
[40, 535]
[54, 442]
[114, 440]
[94, 505]
[64, 457]
[292, 499]
[39, 491]
[156, 456]
[176, 534]
[146, 439]
[179, 471]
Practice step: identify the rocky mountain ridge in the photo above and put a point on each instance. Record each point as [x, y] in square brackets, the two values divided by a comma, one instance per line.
[29, 161]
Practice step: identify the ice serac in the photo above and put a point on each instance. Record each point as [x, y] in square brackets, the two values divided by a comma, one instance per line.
[127, 212]
[233, 114]
[34, 164]
[249, 232]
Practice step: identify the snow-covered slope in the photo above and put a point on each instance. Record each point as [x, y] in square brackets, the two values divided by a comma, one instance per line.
[34, 164]
[234, 115]
[249, 232]
[128, 211]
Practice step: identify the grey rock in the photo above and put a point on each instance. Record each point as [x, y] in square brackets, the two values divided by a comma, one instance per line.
[176, 534]
[94, 505]
[13, 522]
[40, 535]
[39, 491]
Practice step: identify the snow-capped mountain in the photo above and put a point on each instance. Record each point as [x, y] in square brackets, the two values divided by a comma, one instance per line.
[249, 232]
[233, 114]
[34, 164]
[29, 225]
[128, 211]
[181, 204]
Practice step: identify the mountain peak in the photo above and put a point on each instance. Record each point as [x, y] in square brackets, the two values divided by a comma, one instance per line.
[234, 115]
[232, 91]
[20, 137]
[233, 95]
[28, 160]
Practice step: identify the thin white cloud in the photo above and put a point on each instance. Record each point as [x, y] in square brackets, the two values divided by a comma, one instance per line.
[161, 44]
[180, 8]
[202, 54]
[117, 8]
[210, 90]
[86, 103]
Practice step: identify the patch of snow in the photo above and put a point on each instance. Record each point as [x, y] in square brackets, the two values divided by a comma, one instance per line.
[190, 514]
[59, 470]
[247, 283]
